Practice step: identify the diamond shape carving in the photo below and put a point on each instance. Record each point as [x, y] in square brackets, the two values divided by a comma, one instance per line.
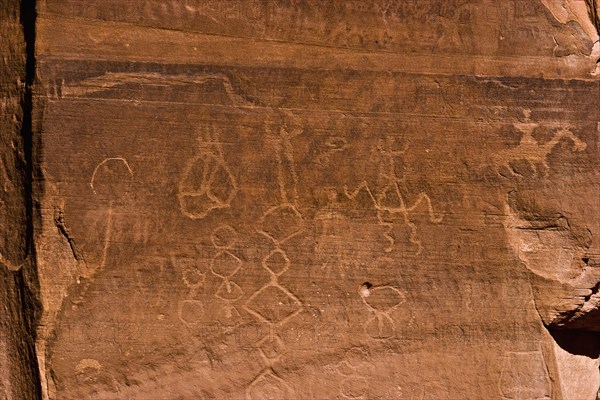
[273, 305]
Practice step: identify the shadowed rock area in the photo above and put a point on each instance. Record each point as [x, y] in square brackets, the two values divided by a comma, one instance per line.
[300, 199]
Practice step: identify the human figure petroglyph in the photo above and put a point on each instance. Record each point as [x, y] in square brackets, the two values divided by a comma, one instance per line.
[207, 182]
[111, 180]
[532, 151]
[389, 201]
[111, 167]
[287, 178]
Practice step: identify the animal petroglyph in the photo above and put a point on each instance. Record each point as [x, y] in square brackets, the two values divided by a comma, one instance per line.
[532, 151]
[389, 201]
[207, 183]
[381, 302]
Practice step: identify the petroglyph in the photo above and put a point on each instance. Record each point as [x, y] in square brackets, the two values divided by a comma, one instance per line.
[111, 181]
[381, 302]
[267, 385]
[273, 304]
[225, 265]
[191, 312]
[111, 80]
[193, 277]
[389, 201]
[333, 145]
[266, 158]
[353, 384]
[532, 151]
[112, 176]
[207, 183]
[287, 178]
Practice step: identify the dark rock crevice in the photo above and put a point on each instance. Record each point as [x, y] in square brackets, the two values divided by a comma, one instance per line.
[19, 372]
[30, 304]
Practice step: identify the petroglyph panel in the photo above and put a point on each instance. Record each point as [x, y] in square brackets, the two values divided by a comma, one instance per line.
[353, 200]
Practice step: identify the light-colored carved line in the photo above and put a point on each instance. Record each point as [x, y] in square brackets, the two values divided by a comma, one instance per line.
[268, 370]
[231, 233]
[400, 209]
[378, 314]
[107, 236]
[389, 226]
[111, 79]
[229, 254]
[288, 152]
[267, 235]
[529, 149]
[281, 178]
[104, 162]
[256, 314]
[205, 189]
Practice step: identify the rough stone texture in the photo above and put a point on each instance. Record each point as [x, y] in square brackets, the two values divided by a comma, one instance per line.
[307, 199]
[18, 368]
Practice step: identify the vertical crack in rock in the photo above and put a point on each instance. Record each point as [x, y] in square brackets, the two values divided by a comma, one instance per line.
[30, 285]
[59, 221]
[30, 295]
[19, 372]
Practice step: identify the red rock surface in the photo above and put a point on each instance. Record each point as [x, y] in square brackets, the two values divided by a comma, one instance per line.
[306, 200]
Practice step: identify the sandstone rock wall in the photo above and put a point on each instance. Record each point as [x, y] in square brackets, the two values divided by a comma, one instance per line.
[308, 199]
[18, 366]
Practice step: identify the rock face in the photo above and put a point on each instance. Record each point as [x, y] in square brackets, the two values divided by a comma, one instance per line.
[302, 200]
[18, 366]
